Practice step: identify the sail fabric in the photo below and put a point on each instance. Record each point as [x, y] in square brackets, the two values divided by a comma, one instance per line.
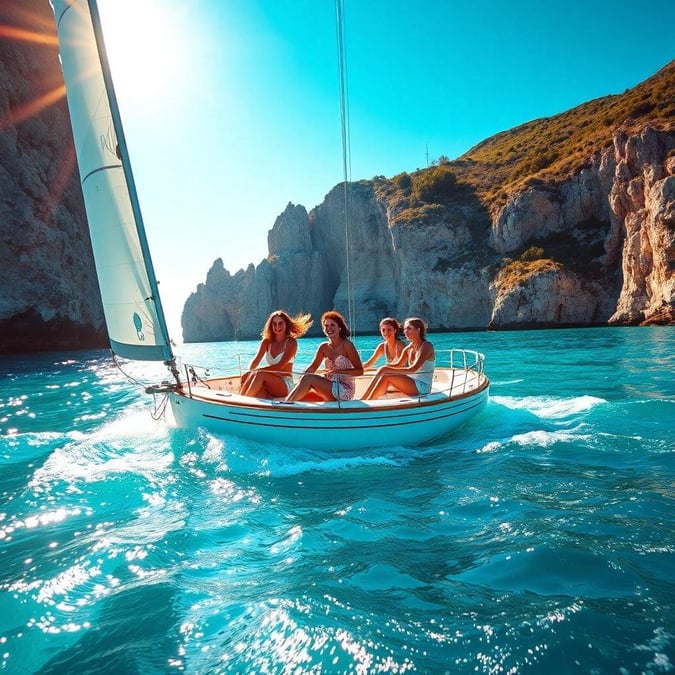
[133, 313]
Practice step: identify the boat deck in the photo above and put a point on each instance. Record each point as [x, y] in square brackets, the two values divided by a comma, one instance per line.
[448, 384]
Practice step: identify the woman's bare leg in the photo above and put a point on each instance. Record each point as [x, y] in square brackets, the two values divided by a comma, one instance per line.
[374, 382]
[320, 385]
[265, 385]
[380, 383]
[245, 379]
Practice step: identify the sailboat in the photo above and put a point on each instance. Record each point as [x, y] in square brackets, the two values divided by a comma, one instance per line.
[135, 320]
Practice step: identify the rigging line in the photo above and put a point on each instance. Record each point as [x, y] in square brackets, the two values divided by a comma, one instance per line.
[346, 156]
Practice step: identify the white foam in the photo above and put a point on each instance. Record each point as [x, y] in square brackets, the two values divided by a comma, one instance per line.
[550, 407]
[130, 443]
[545, 439]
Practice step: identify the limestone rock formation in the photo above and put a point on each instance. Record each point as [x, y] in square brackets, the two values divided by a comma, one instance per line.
[50, 298]
[609, 228]
[564, 221]
[642, 200]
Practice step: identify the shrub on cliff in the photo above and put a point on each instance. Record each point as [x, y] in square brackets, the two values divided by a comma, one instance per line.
[434, 186]
[517, 272]
[402, 181]
[532, 253]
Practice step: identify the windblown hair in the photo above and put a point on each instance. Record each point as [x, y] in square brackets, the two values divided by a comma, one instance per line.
[418, 323]
[394, 323]
[295, 327]
[339, 320]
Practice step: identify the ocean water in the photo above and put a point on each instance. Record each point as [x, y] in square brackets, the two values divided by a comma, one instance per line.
[540, 538]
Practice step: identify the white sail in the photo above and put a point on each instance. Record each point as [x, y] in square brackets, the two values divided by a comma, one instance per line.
[133, 312]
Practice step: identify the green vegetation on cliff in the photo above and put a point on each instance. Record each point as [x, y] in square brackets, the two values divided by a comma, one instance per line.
[555, 147]
[547, 149]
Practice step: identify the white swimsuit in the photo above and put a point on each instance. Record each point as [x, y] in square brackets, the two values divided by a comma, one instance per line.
[274, 360]
[424, 376]
[386, 356]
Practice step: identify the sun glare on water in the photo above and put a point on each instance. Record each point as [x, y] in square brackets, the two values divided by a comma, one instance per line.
[143, 41]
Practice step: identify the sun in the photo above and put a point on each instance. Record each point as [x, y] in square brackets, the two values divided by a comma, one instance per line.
[143, 42]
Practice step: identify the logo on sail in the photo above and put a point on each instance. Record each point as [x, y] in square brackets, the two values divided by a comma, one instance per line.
[109, 142]
[138, 323]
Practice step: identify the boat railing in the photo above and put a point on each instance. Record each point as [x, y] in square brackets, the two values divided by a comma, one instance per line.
[465, 373]
[467, 359]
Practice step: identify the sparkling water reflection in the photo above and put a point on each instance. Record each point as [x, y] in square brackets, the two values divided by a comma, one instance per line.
[540, 538]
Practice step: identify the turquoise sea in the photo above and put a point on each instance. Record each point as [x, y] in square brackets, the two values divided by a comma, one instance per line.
[540, 538]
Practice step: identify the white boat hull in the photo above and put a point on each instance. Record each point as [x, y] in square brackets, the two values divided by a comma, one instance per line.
[346, 425]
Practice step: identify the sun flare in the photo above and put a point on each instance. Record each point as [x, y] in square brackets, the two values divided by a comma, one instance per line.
[143, 43]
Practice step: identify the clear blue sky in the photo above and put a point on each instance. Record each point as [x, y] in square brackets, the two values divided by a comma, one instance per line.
[231, 107]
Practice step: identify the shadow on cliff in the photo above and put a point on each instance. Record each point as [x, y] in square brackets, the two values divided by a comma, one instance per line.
[28, 332]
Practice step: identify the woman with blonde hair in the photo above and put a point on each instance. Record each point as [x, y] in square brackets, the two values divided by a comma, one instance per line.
[342, 364]
[413, 373]
[278, 347]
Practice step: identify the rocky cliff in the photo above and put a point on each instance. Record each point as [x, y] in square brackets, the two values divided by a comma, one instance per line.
[578, 230]
[568, 220]
[611, 229]
[49, 298]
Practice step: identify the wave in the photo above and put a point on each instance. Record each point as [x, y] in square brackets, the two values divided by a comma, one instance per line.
[551, 407]
[247, 457]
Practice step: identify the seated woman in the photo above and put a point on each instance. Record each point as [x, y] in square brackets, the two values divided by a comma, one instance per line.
[278, 347]
[342, 364]
[413, 373]
[392, 332]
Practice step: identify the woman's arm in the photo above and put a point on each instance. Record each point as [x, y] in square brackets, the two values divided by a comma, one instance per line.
[424, 354]
[375, 356]
[400, 360]
[262, 348]
[318, 358]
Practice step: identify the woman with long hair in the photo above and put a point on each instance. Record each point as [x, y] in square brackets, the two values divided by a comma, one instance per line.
[342, 364]
[278, 347]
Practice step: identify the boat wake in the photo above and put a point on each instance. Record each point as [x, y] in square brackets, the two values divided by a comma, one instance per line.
[248, 458]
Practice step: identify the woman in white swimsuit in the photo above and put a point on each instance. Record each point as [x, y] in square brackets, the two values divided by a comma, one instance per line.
[413, 373]
[278, 347]
[342, 364]
[393, 344]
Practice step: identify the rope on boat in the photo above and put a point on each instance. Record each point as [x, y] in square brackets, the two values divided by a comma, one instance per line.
[159, 410]
[118, 365]
[194, 378]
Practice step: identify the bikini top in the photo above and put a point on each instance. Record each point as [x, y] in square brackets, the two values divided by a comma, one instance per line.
[427, 367]
[274, 360]
[394, 357]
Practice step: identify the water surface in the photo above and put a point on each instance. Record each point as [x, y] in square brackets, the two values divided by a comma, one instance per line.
[539, 538]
